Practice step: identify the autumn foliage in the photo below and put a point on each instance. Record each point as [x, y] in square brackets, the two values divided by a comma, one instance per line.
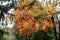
[27, 24]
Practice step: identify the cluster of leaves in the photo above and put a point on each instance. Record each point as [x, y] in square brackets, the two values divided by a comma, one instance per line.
[33, 19]
[27, 24]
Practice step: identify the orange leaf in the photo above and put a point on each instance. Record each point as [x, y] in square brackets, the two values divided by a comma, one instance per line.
[21, 32]
[15, 12]
[45, 28]
[17, 17]
[19, 25]
[36, 29]
[26, 25]
[49, 16]
[52, 25]
[21, 6]
[26, 7]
